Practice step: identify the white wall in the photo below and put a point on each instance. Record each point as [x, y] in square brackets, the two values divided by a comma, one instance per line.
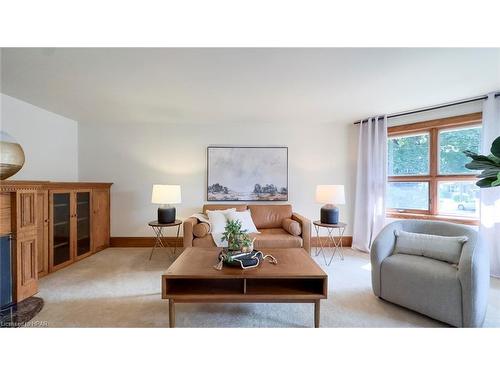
[49, 141]
[134, 157]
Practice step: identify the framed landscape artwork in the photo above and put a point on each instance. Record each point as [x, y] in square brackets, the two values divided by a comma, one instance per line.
[247, 173]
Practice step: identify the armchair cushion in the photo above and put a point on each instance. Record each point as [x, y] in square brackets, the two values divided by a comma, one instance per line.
[292, 227]
[444, 248]
[428, 286]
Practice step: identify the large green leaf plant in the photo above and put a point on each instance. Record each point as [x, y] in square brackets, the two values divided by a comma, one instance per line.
[489, 165]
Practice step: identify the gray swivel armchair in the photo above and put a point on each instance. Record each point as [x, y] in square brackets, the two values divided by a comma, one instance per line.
[454, 294]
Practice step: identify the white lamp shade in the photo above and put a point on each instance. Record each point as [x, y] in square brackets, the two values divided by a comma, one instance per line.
[166, 194]
[333, 194]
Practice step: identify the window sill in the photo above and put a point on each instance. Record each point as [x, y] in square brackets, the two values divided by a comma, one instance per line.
[451, 219]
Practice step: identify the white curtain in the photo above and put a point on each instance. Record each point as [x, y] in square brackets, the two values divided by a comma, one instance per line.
[490, 197]
[369, 210]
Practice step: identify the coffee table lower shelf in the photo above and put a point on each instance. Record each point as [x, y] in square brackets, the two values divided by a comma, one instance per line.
[244, 290]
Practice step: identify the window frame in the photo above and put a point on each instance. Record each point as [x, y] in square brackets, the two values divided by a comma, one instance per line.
[433, 127]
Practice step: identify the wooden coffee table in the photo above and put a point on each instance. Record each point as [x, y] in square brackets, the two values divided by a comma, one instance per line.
[295, 279]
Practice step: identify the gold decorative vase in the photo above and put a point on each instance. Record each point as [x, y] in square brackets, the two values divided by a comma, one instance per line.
[11, 156]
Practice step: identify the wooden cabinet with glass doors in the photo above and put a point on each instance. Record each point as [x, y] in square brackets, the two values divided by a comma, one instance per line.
[72, 227]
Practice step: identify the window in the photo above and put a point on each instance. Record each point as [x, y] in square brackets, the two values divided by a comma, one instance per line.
[409, 155]
[426, 169]
[451, 144]
[408, 195]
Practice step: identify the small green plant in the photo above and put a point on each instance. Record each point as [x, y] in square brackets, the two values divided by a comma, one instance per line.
[489, 165]
[236, 237]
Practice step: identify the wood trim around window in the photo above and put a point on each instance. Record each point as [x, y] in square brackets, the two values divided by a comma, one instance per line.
[448, 122]
[432, 128]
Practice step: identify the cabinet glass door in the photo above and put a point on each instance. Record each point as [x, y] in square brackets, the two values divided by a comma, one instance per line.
[62, 228]
[83, 223]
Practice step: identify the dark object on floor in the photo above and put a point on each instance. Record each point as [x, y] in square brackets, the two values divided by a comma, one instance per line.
[17, 315]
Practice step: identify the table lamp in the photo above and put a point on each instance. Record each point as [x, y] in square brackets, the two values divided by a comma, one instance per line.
[330, 195]
[165, 195]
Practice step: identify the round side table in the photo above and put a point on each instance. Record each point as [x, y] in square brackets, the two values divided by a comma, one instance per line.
[161, 240]
[332, 242]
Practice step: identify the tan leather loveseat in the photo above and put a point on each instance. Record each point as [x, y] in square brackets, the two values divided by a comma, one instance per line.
[278, 225]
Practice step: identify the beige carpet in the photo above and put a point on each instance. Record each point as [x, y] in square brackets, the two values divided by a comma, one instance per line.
[121, 288]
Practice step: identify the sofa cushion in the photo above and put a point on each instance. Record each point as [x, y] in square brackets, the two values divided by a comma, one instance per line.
[275, 238]
[206, 241]
[426, 285]
[201, 230]
[444, 248]
[220, 207]
[266, 216]
[291, 226]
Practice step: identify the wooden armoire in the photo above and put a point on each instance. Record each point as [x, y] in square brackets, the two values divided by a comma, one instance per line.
[51, 225]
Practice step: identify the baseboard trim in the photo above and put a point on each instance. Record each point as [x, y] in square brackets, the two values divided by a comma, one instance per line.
[149, 241]
[142, 241]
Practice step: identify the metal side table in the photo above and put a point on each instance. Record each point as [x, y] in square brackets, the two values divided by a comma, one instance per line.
[161, 240]
[332, 242]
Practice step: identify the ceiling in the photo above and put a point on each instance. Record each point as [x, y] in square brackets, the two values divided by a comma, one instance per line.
[236, 85]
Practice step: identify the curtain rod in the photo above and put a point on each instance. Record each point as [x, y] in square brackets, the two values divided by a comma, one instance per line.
[425, 109]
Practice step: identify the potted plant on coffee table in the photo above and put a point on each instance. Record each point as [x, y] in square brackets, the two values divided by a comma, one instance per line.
[237, 239]
[240, 251]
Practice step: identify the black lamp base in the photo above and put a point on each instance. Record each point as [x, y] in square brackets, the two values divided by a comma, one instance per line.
[329, 214]
[166, 215]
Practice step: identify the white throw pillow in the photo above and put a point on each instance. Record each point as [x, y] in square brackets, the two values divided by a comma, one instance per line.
[246, 220]
[218, 219]
[444, 248]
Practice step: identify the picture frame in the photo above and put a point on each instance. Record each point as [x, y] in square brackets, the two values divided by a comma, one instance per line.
[247, 173]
